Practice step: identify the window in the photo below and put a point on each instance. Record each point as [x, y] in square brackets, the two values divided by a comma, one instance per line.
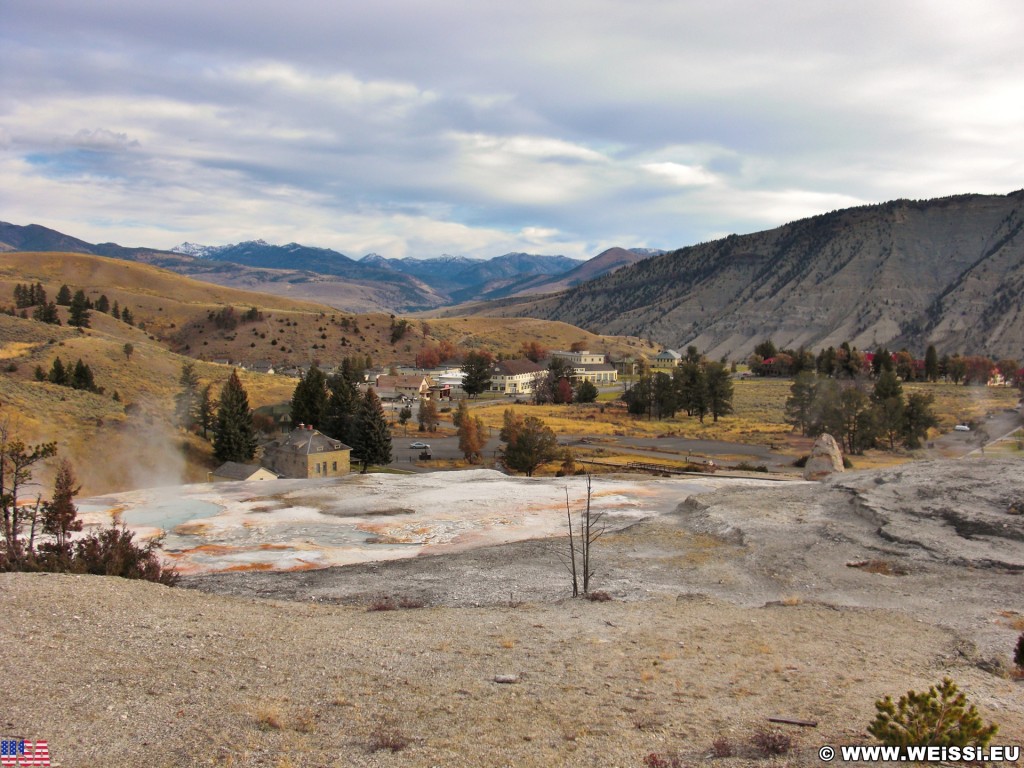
[334, 466]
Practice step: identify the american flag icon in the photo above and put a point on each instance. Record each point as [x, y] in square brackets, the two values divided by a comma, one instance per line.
[19, 752]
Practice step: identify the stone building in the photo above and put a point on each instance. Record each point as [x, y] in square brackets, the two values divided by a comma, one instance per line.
[307, 453]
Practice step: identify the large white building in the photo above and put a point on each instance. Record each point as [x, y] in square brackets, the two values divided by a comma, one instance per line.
[589, 366]
[514, 377]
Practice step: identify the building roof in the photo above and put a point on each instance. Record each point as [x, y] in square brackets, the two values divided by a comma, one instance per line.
[306, 440]
[594, 367]
[516, 367]
[236, 471]
[668, 354]
[401, 382]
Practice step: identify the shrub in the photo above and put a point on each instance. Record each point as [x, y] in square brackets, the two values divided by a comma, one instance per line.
[598, 596]
[113, 552]
[654, 760]
[1018, 654]
[771, 741]
[722, 747]
[939, 716]
[386, 737]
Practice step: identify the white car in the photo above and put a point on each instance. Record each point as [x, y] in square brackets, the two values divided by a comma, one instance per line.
[424, 446]
[961, 428]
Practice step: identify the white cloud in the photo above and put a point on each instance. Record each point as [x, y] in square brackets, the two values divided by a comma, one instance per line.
[413, 129]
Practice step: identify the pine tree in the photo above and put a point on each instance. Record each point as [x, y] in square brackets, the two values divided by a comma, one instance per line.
[60, 515]
[64, 296]
[46, 313]
[719, 389]
[477, 370]
[931, 363]
[234, 436]
[186, 402]
[79, 311]
[58, 373]
[801, 400]
[888, 399]
[586, 392]
[372, 441]
[82, 378]
[115, 311]
[918, 418]
[103, 304]
[343, 404]
[309, 400]
[204, 411]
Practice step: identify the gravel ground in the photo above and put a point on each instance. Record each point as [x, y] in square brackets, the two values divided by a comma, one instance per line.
[739, 606]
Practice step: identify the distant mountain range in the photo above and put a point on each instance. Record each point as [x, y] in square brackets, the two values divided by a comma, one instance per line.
[372, 283]
[948, 272]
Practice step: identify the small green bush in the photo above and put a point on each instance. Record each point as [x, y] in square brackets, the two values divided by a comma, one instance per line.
[939, 717]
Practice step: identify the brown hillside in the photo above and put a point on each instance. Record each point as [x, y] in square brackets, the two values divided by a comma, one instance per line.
[113, 444]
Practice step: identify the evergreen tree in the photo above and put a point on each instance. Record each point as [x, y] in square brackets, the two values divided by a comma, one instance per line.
[931, 364]
[46, 313]
[372, 435]
[665, 395]
[21, 299]
[58, 373]
[888, 406]
[79, 311]
[186, 402]
[205, 413]
[64, 296]
[60, 515]
[234, 436]
[691, 383]
[586, 392]
[82, 378]
[127, 317]
[858, 422]
[342, 407]
[918, 418]
[115, 311]
[309, 399]
[477, 370]
[103, 304]
[800, 401]
[38, 294]
[719, 389]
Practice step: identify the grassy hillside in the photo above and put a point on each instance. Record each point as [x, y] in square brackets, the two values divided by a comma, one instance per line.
[113, 444]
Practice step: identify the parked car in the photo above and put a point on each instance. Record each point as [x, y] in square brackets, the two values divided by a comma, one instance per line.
[418, 444]
[961, 428]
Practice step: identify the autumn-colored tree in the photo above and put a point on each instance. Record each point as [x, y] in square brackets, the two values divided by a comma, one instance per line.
[428, 417]
[428, 357]
[472, 433]
[533, 350]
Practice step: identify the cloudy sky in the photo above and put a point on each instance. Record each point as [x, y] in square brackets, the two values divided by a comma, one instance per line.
[410, 128]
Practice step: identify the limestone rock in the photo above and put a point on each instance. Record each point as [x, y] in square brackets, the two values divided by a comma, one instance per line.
[825, 459]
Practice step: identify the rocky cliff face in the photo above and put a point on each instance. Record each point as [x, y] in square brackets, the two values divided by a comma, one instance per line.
[947, 271]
